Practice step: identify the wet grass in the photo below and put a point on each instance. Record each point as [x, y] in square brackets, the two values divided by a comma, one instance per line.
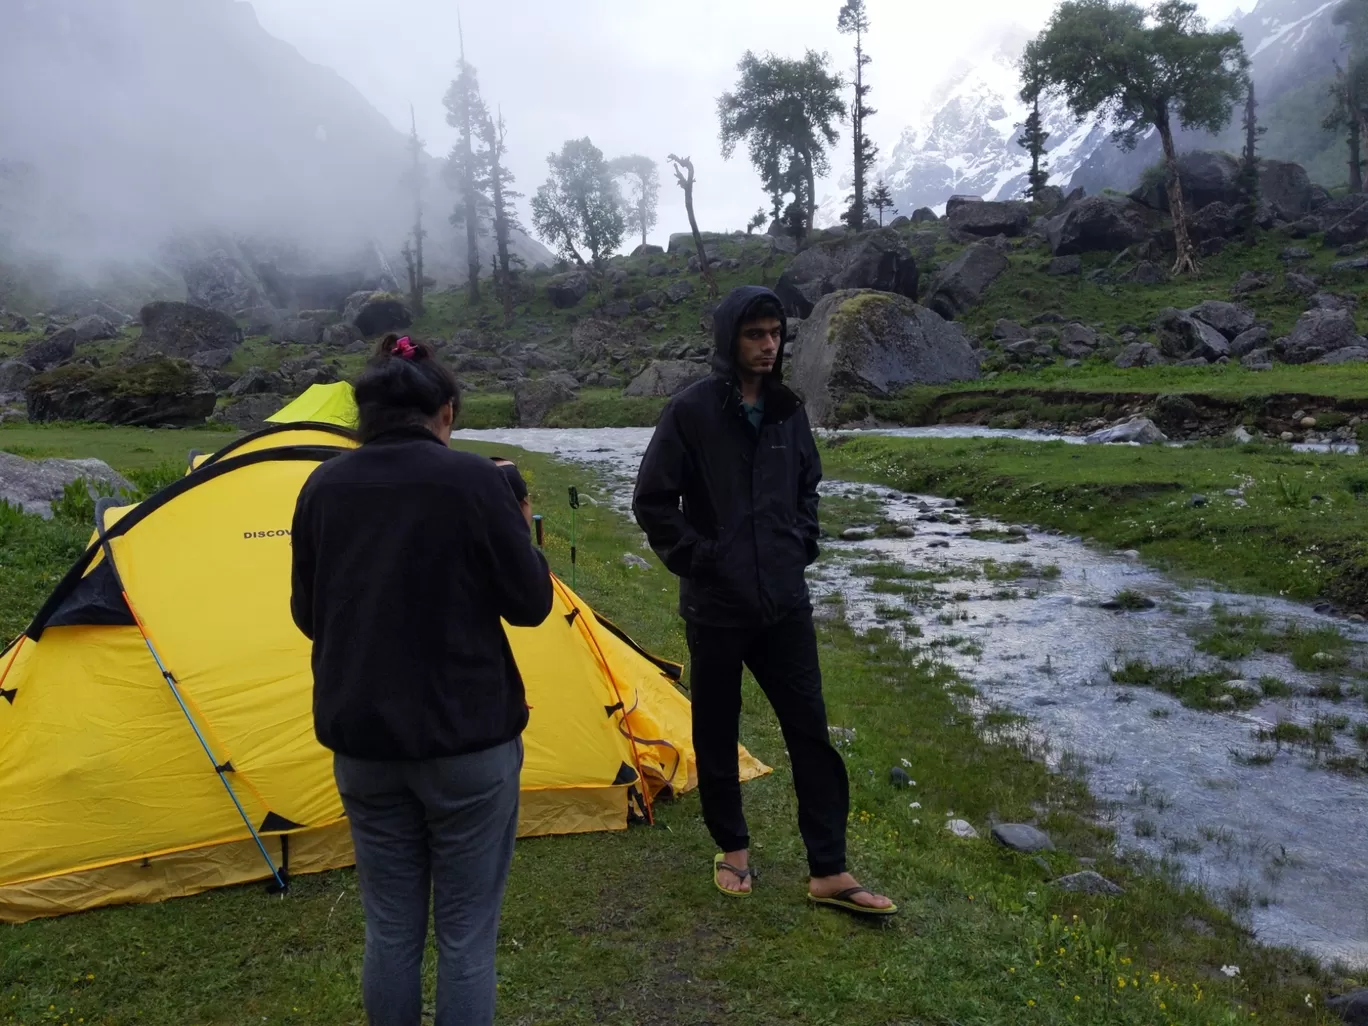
[1234, 636]
[1206, 691]
[1130, 601]
[981, 938]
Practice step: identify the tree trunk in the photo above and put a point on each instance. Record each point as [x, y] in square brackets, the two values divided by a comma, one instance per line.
[1355, 158]
[703, 265]
[1186, 260]
[857, 130]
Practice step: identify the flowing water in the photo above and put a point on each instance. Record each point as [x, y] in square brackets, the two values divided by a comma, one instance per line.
[1265, 827]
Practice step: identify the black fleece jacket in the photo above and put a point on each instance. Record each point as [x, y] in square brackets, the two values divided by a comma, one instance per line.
[730, 510]
[406, 556]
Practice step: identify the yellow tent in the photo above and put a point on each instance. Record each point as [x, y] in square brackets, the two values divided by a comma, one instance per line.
[156, 734]
[329, 404]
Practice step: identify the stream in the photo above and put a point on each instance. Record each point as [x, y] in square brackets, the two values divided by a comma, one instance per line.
[1263, 826]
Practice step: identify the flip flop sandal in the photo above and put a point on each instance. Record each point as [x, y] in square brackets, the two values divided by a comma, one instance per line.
[719, 863]
[843, 900]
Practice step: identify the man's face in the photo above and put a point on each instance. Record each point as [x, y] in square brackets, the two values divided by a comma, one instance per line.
[758, 345]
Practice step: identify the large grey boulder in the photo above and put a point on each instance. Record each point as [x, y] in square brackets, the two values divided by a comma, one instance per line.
[1098, 224]
[34, 485]
[1230, 319]
[160, 391]
[1184, 337]
[1138, 354]
[1351, 1007]
[1317, 333]
[666, 378]
[1247, 341]
[340, 336]
[1350, 226]
[91, 328]
[256, 381]
[14, 375]
[299, 330]
[679, 291]
[220, 282]
[1008, 217]
[566, 290]
[378, 313]
[179, 329]
[1207, 177]
[960, 285]
[1021, 837]
[1286, 188]
[1349, 354]
[874, 343]
[924, 214]
[534, 398]
[1139, 430]
[878, 260]
[48, 352]
[249, 413]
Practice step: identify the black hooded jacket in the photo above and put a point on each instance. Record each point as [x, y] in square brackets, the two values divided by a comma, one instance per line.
[730, 510]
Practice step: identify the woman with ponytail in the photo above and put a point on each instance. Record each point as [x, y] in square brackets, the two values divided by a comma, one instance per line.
[407, 557]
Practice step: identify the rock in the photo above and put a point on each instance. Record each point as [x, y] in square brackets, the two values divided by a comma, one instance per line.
[1197, 501]
[878, 260]
[959, 200]
[1352, 227]
[179, 329]
[666, 378]
[1078, 334]
[34, 485]
[533, 399]
[1098, 223]
[250, 412]
[1285, 187]
[1009, 331]
[647, 249]
[678, 291]
[897, 776]
[1207, 177]
[634, 562]
[221, 282]
[1020, 837]
[257, 382]
[1029, 349]
[48, 352]
[1349, 354]
[299, 330]
[1300, 284]
[1060, 266]
[92, 328]
[1146, 272]
[857, 534]
[1250, 281]
[1138, 354]
[961, 828]
[212, 359]
[923, 214]
[1257, 359]
[1212, 225]
[960, 285]
[874, 343]
[1294, 253]
[1332, 301]
[1230, 319]
[1088, 882]
[1138, 429]
[1172, 413]
[152, 393]
[1183, 336]
[1241, 435]
[988, 219]
[14, 375]
[1351, 1007]
[657, 271]
[619, 308]
[566, 290]
[340, 336]
[1317, 333]
[1247, 341]
[381, 312]
[649, 300]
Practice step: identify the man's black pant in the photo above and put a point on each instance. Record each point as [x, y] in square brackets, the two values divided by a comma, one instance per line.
[783, 659]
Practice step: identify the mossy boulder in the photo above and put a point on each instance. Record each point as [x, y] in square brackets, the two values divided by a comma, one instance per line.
[873, 343]
[160, 391]
[181, 330]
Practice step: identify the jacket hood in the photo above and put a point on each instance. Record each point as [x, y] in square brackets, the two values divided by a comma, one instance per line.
[727, 320]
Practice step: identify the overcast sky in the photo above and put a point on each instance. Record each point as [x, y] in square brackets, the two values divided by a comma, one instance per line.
[636, 76]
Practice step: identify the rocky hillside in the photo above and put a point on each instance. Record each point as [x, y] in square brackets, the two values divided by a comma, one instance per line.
[964, 140]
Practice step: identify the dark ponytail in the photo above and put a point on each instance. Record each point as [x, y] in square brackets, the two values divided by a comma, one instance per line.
[403, 385]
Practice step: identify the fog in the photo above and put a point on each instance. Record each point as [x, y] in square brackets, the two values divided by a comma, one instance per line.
[125, 123]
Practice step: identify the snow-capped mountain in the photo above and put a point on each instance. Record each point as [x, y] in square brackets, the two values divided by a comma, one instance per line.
[964, 139]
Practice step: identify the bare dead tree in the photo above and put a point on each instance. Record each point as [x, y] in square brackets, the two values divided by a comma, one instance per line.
[686, 182]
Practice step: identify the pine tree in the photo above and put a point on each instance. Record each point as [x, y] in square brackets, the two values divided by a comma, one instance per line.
[1248, 178]
[881, 199]
[413, 247]
[466, 112]
[505, 216]
[1345, 114]
[854, 20]
[1033, 137]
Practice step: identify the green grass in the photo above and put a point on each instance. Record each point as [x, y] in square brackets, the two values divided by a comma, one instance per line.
[1205, 690]
[1238, 635]
[627, 929]
[1314, 546]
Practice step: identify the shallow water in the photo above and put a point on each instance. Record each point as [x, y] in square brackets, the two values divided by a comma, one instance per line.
[1281, 843]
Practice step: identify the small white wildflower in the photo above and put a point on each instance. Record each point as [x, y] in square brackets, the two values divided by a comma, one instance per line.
[906, 764]
[1309, 1002]
[916, 822]
[1231, 970]
[915, 805]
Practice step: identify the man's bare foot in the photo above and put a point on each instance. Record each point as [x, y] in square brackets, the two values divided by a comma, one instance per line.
[830, 886]
[730, 881]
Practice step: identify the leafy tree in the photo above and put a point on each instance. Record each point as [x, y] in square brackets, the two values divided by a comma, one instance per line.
[643, 196]
[413, 247]
[505, 215]
[684, 175]
[1346, 94]
[579, 205]
[854, 20]
[786, 111]
[881, 199]
[757, 221]
[466, 112]
[1142, 69]
[1248, 178]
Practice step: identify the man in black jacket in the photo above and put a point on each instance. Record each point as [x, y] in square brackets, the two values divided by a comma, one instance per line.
[727, 496]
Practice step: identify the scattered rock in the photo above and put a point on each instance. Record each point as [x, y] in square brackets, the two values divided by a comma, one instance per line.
[1141, 430]
[649, 300]
[960, 286]
[961, 828]
[634, 562]
[905, 531]
[1230, 319]
[48, 352]
[1021, 837]
[258, 382]
[300, 331]
[1250, 281]
[680, 290]
[1138, 354]
[250, 412]
[666, 378]
[1098, 223]
[212, 359]
[1060, 266]
[1247, 341]
[988, 219]
[878, 260]
[156, 392]
[897, 776]
[1146, 272]
[1241, 435]
[34, 485]
[1349, 354]
[340, 336]
[1351, 1007]
[648, 249]
[381, 312]
[1317, 333]
[1009, 331]
[1285, 187]
[923, 214]
[1183, 336]
[14, 375]
[1173, 413]
[1197, 500]
[857, 534]
[1332, 301]
[874, 343]
[566, 290]
[179, 329]
[1088, 882]
[533, 399]
[1257, 359]
[1294, 253]
[1355, 266]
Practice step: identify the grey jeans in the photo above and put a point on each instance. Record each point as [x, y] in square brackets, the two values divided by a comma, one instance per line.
[438, 830]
